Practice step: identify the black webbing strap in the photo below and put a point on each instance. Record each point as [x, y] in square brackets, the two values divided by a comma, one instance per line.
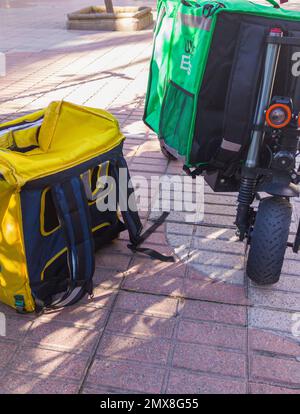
[284, 41]
[72, 209]
[154, 227]
[150, 252]
[154, 254]
[131, 216]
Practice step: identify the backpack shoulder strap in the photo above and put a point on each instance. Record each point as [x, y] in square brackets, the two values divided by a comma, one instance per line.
[72, 209]
[238, 113]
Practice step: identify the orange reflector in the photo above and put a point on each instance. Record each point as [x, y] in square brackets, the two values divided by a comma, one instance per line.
[279, 116]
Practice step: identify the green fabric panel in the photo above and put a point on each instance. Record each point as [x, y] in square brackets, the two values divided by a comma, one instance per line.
[182, 40]
[160, 61]
[191, 36]
[176, 116]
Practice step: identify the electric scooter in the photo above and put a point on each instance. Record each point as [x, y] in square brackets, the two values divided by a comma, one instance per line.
[269, 167]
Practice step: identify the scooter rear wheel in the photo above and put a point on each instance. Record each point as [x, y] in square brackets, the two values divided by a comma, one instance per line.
[269, 240]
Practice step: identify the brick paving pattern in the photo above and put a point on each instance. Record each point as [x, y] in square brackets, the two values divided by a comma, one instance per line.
[196, 326]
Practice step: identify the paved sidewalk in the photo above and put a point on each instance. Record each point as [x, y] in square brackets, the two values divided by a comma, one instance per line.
[196, 326]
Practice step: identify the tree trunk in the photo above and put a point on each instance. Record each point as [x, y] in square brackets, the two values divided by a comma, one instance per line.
[109, 6]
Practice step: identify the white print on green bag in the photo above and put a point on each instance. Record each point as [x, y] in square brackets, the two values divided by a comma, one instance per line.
[296, 65]
[2, 324]
[186, 64]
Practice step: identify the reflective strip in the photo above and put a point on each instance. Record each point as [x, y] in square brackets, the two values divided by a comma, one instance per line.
[202, 23]
[173, 152]
[21, 127]
[230, 146]
[68, 299]
[206, 24]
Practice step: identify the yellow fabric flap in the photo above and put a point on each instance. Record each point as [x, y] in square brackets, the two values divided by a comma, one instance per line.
[69, 135]
[17, 133]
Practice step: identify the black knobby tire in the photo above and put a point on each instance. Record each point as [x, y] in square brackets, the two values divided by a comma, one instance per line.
[166, 153]
[269, 240]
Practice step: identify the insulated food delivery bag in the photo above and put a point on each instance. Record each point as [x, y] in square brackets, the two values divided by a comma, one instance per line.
[206, 72]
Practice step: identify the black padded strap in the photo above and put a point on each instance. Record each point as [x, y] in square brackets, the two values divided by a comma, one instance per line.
[71, 205]
[245, 75]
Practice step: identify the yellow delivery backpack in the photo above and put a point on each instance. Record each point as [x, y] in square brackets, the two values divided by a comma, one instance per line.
[50, 223]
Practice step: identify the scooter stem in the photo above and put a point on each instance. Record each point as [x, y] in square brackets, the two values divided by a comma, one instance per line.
[271, 62]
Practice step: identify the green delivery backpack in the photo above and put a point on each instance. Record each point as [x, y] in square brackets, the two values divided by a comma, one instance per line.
[205, 76]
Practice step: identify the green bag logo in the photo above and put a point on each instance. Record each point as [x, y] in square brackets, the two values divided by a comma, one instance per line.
[186, 61]
[189, 47]
[186, 64]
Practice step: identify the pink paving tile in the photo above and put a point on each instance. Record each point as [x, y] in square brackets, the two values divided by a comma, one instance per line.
[150, 350]
[107, 278]
[275, 369]
[144, 265]
[182, 382]
[50, 362]
[174, 169]
[155, 169]
[18, 326]
[161, 284]
[273, 342]
[155, 277]
[207, 359]
[18, 383]
[214, 291]
[126, 375]
[7, 350]
[11, 312]
[257, 388]
[158, 238]
[85, 316]
[275, 299]
[119, 246]
[216, 312]
[60, 336]
[148, 304]
[152, 161]
[102, 297]
[100, 390]
[143, 262]
[209, 333]
[115, 262]
[128, 323]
